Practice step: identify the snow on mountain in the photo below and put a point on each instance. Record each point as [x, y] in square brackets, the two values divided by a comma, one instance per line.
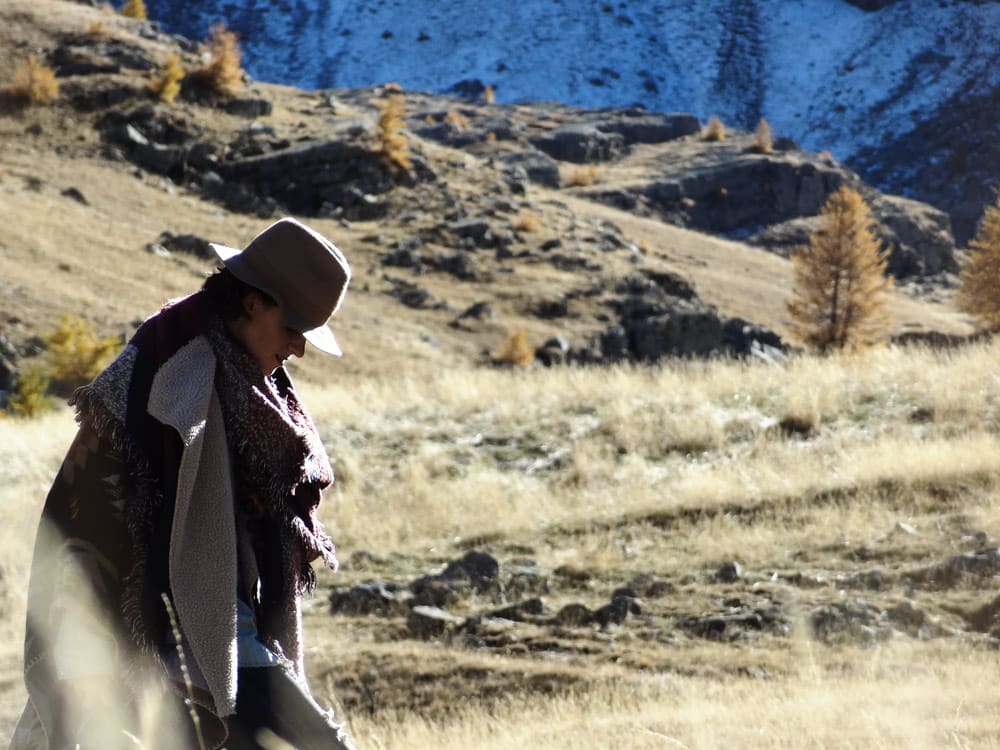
[824, 72]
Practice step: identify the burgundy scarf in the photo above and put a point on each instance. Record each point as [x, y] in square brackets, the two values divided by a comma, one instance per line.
[277, 449]
[282, 469]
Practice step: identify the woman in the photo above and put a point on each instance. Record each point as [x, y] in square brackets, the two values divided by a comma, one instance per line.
[176, 541]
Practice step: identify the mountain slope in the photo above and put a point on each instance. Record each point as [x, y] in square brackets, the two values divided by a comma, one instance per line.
[823, 72]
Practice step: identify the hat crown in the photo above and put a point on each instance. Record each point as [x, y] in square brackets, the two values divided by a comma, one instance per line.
[305, 273]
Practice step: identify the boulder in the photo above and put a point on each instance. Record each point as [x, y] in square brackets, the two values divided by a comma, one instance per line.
[540, 169]
[427, 623]
[580, 143]
[681, 332]
[307, 176]
[917, 235]
[249, 108]
[375, 597]
[639, 126]
[481, 569]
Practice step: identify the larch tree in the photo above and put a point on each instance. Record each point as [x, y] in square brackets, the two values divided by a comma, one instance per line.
[840, 290]
[979, 291]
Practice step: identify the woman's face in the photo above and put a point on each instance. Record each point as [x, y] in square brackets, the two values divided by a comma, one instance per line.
[265, 336]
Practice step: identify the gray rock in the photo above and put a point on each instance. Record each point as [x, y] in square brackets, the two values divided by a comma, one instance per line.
[580, 143]
[376, 597]
[917, 235]
[481, 569]
[729, 572]
[971, 567]
[573, 615]
[74, 194]
[186, 243]
[525, 611]
[650, 127]
[249, 108]
[427, 623]
[682, 332]
[539, 168]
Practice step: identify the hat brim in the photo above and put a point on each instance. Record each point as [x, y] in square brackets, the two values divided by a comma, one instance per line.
[321, 337]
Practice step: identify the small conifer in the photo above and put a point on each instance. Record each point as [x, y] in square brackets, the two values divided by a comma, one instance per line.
[391, 122]
[979, 291]
[763, 140]
[840, 293]
[134, 9]
[167, 85]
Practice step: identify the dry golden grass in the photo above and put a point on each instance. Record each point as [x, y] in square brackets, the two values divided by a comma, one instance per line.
[918, 698]
[529, 454]
[711, 430]
[97, 28]
[33, 82]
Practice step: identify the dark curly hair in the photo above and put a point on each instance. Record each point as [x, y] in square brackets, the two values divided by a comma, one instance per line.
[226, 294]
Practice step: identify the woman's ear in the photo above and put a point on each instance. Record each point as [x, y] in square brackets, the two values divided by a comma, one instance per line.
[251, 303]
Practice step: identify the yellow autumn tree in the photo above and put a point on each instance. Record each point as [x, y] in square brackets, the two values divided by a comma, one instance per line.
[979, 291]
[167, 84]
[134, 9]
[391, 123]
[840, 290]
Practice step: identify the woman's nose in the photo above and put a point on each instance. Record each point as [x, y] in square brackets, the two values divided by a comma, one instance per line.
[298, 342]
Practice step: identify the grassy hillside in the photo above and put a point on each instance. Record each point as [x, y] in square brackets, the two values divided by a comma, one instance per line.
[806, 551]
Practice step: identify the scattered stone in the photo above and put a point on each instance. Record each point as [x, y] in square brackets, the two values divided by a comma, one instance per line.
[968, 568]
[580, 143]
[852, 620]
[525, 611]
[482, 570]
[573, 615]
[427, 623]
[376, 597]
[729, 572]
[249, 108]
[155, 248]
[186, 243]
[74, 194]
[478, 311]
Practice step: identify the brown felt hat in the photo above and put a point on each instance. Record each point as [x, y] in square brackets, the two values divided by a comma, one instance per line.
[304, 272]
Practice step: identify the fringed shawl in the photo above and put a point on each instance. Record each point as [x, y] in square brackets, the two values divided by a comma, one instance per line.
[116, 421]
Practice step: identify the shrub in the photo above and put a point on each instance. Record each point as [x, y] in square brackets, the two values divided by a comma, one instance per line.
[223, 73]
[515, 350]
[76, 354]
[391, 122]
[714, 130]
[31, 399]
[528, 221]
[456, 119]
[979, 291]
[134, 9]
[96, 28]
[763, 140]
[33, 82]
[840, 289]
[582, 176]
[167, 85]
